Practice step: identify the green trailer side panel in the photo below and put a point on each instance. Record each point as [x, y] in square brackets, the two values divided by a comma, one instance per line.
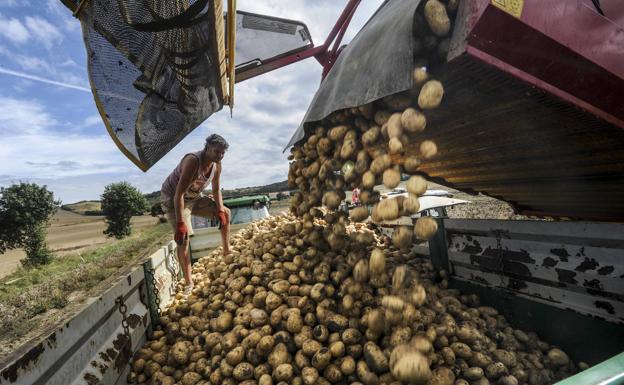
[610, 372]
[585, 338]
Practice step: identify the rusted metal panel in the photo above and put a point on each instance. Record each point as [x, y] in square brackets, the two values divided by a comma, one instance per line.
[570, 265]
[166, 272]
[92, 347]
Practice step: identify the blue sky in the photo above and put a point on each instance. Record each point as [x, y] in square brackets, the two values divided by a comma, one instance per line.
[52, 133]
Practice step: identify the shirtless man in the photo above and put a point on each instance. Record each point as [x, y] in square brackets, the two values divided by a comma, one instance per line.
[182, 196]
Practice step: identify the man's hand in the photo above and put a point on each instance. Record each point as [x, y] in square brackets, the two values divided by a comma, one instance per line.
[181, 234]
[222, 218]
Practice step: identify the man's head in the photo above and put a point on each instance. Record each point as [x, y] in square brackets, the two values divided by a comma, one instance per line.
[215, 147]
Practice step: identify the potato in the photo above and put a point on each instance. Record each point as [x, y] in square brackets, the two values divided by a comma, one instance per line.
[402, 237]
[284, 372]
[359, 214]
[309, 375]
[391, 178]
[425, 228]
[474, 373]
[388, 209]
[411, 204]
[368, 180]
[377, 263]
[437, 18]
[243, 371]
[338, 132]
[337, 349]
[557, 357]
[411, 164]
[507, 358]
[420, 76]
[381, 117]
[416, 185]
[413, 121]
[265, 379]
[371, 136]
[508, 380]
[348, 149]
[428, 149]
[442, 376]
[410, 367]
[395, 146]
[360, 271]
[395, 128]
[190, 378]
[495, 370]
[321, 359]
[180, 353]
[332, 200]
[380, 164]
[431, 94]
[375, 358]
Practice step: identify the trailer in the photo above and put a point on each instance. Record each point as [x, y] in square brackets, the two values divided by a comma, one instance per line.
[523, 126]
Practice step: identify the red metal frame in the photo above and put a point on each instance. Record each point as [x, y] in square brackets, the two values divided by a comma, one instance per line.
[321, 53]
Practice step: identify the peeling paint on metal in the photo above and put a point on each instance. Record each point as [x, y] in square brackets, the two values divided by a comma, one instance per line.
[134, 320]
[51, 341]
[104, 357]
[606, 270]
[26, 361]
[549, 262]
[587, 264]
[561, 253]
[145, 319]
[566, 276]
[605, 305]
[129, 279]
[593, 284]
[516, 284]
[92, 379]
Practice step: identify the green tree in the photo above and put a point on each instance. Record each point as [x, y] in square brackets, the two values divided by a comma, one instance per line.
[120, 201]
[25, 210]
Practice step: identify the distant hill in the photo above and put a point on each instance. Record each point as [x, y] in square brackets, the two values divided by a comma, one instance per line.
[94, 207]
[84, 207]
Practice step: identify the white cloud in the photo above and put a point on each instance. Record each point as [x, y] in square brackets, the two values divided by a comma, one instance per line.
[76, 166]
[43, 31]
[14, 30]
[22, 117]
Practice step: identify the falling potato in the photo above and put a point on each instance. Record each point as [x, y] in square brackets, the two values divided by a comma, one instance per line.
[391, 178]
[413, 121]
[430, 95]
[416, 185]
[437, 18]
[425, 228]
[428, 149]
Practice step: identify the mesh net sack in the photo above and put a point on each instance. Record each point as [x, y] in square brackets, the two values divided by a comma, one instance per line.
[157, 70]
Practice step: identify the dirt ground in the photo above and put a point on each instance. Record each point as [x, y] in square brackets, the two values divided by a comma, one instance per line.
[71, 232]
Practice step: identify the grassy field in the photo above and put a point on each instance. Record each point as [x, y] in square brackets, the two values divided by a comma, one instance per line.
[28, 295]
[83, 206]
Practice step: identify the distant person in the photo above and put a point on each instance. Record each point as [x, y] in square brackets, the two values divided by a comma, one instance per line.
[182, 196]
[355, 197]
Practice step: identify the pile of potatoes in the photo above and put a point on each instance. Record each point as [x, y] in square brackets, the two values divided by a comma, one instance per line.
[316, 296]
[301, 302]
[376, 143]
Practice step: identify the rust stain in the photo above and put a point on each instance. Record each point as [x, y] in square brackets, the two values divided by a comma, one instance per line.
[561, 253]
[606, 270]
[593, 284]
[129, 280]
[134, 320]
[516, 284]
[120, 342]
[549, 262]
[112, 353]
[605, 306]
[587, 264]
[104, 357]
[51, 340]
[566, 276]
[91, 379]
[27, 360]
